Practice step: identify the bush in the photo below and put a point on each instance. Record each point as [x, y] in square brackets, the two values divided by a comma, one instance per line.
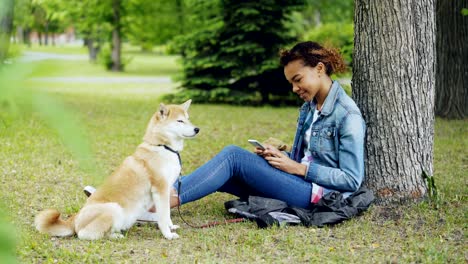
[105, 57]
[337, 35]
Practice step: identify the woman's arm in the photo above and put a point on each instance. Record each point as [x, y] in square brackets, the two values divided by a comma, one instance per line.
[350, 172]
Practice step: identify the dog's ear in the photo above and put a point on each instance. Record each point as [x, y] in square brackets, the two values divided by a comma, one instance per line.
[163, 110]
[186, 105]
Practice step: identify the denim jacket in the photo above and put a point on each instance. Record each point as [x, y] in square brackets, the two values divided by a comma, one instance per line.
[336, 143]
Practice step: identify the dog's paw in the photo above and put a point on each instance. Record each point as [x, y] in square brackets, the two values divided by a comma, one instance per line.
[116, 236]
[174, 227]
[171, 236]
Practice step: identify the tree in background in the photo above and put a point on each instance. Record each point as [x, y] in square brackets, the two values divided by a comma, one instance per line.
[116, 44]
[23, 21]
[103, 25]
[393, 84]
[92, 21]
[452, 59]
[6, 26]
[48, 18]
[149, 23]
[330, 22]
[236, 54]
[45, 17]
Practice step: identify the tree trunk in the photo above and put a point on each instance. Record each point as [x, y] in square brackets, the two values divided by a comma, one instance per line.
[27, 36]
[6, 26]
[93, 49]
[39, 36]
[116, 38]
[46, 34]
[393, 84]
[452, 59]
[20, 35]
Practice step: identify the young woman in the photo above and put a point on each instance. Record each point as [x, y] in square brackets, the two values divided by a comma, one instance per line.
[328, 150]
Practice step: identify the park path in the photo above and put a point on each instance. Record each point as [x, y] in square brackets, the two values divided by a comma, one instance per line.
[38, 56]
[106, 80]
[33, 56]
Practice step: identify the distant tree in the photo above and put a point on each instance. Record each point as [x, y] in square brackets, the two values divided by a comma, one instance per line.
[116, 44]
[100, 22]
[54, 19]
[23, 20]
[150, 22]
[6, 26]
[92, 21]
[239, 51]
[452, 59]
[393, 84]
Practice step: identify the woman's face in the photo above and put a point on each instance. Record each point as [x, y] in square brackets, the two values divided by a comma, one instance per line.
[304, 79]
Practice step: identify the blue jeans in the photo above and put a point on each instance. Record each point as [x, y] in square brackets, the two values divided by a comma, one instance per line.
[243, 173]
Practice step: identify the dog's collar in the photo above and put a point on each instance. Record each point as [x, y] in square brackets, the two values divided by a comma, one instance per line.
[173, 151]
[153, 148]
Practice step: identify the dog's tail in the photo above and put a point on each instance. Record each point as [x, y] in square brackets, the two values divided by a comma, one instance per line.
[49, 222]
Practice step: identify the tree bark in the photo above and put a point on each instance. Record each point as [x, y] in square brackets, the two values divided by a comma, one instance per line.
[393, 84]
[46, 34]
[39, 36]
[116, 37]
[452, 59]
[27, 36]
[6, 26]
[93, 48]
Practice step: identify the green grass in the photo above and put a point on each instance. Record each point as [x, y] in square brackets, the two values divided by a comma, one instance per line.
[39, 172]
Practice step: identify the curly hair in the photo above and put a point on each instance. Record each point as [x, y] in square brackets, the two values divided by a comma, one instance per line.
[311, 53]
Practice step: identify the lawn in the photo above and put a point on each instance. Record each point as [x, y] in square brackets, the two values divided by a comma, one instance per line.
[39, 171]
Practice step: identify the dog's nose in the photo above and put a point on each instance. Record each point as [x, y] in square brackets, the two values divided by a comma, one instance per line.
[196, 130]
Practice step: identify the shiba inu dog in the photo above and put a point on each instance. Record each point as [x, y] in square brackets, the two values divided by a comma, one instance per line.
[144, 179]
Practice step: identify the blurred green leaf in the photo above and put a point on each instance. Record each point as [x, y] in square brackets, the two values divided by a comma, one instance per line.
[16, 99]
[7, 239]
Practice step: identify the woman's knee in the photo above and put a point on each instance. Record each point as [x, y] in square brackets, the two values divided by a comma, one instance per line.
[232, 150]
[233, 153]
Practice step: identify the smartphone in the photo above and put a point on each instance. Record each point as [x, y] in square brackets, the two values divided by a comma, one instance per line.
[257, 144]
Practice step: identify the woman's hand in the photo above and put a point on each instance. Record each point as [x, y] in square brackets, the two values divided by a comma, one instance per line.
[281, 161]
